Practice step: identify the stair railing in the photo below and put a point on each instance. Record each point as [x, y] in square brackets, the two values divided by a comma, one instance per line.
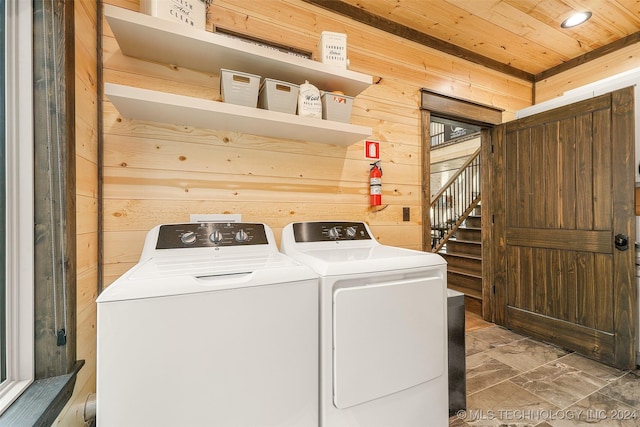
[453, 203]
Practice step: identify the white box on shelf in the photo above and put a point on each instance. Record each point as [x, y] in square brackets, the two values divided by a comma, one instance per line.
[336, 107]
[332, 48]
[188, 12]
[276, 95]
[239, 88]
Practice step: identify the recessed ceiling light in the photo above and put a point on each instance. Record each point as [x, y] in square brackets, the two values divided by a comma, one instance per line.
[576, 19]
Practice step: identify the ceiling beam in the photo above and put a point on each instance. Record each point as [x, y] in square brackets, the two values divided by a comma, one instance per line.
[589, 56]
[364, 17]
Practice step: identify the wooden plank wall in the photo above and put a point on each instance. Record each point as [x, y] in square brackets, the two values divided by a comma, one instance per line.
[617, 62]
[159, 172]
[86, 81]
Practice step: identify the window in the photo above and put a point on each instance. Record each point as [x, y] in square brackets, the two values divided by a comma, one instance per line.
[3, 212]
[16, 200]
[445, 132]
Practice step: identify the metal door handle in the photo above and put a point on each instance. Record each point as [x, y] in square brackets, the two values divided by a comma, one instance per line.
[621, 242]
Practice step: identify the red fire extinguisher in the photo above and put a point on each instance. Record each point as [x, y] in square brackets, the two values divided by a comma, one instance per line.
[375, 184]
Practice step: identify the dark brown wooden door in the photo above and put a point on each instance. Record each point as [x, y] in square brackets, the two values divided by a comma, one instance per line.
[563, 187]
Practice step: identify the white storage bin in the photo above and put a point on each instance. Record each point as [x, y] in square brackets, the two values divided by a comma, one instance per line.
[276, 95]
[336, 107]
[332, 49]
[239, 88]
[189, 12]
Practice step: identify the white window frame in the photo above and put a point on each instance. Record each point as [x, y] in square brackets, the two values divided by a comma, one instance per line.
[19, 201]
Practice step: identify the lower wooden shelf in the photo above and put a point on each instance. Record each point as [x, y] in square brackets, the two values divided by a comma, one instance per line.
[154, 106]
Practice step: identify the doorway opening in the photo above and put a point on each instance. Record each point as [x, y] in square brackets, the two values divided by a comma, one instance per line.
[456, 133]
[455, 205]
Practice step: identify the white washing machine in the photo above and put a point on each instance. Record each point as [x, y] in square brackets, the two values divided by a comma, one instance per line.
[383, 327]
[213, 327]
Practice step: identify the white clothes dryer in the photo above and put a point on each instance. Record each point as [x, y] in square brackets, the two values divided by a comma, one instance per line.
[213, 327]
[383, 327]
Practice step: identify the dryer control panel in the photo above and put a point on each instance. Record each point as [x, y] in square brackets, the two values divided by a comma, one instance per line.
[329, 231]
[211, 234]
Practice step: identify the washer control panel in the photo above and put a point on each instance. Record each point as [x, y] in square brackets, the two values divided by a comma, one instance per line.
[329, 231]
[211, 234]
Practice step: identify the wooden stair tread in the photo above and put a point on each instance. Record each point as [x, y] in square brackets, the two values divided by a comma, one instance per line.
[466, 227]
[463, 272]
[444, 251]
[456, 240]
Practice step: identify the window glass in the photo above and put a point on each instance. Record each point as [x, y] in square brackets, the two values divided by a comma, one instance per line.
[16, 200]
[3, 193]
[445, 131]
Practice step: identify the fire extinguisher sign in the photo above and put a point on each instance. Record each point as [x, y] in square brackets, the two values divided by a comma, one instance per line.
[372, 149]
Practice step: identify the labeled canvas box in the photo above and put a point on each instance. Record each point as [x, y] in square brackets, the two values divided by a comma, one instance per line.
[336, 107]
[189, 12]
[279, 96]
[332, 48]
[239, 88]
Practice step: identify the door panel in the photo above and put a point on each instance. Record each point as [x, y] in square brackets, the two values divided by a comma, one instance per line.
[376, 355]
[565, 178]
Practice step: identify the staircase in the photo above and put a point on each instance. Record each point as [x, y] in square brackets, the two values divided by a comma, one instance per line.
[456, 231]
[463, 252]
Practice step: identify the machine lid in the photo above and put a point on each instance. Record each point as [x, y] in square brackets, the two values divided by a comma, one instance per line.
[172, 276]
[340, 256]
[341, 260]
[190, 258]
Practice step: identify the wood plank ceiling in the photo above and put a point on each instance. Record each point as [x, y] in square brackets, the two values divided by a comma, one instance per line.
[519, 37]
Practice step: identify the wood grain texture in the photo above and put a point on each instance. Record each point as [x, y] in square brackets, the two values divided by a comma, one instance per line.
[497, 283]
[371, 51]
[588, 341]
[86, 178]
[135, 202]
[54, 190]
[614, 63]
[160, 172]
[625, 289]
[588, 240]
[488, 185]
[559, 261]
[414, 34]
[524, 36]
[426, 179]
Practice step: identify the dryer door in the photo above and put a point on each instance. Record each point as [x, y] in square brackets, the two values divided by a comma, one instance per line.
[387, 337]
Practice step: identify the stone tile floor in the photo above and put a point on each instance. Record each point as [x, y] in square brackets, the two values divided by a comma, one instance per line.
[514, 381]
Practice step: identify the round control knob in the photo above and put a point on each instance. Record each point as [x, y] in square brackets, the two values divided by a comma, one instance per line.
[188, 238]
[351, 232]
[216, 236]
[242, 236]
[334, 233]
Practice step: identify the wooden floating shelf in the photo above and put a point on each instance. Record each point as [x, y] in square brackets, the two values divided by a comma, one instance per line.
[154, 106]
[155, 39]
